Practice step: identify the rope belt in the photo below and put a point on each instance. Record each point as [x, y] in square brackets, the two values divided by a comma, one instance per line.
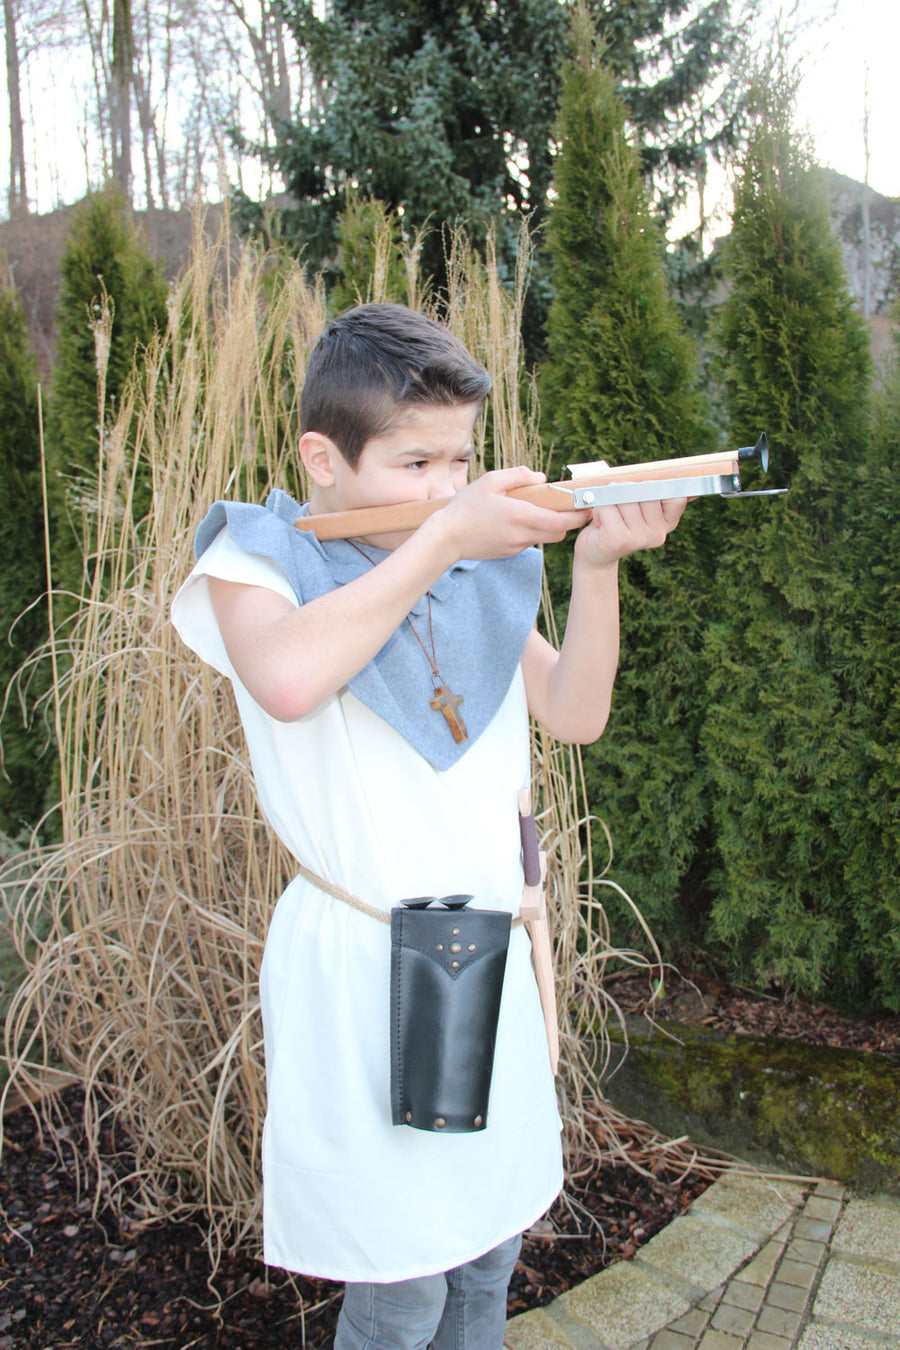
[338, 893]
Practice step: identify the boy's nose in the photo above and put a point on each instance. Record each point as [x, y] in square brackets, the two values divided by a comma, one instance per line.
[440, 484]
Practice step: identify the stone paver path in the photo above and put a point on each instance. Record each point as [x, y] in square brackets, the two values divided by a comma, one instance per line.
[753, 1265]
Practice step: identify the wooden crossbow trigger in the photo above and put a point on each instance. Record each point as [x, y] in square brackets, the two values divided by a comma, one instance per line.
[591, 485]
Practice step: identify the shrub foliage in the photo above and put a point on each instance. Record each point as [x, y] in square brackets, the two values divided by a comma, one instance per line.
[28, 761]
[112, 300]
[621, 384]
[783, 654]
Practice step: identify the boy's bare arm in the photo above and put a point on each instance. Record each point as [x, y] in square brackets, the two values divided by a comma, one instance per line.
[291, 659]
[570, 691]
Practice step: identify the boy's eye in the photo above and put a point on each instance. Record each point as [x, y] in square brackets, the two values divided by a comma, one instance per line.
[463, 461]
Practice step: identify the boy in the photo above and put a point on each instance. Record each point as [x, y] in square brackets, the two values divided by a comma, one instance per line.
[385, 788]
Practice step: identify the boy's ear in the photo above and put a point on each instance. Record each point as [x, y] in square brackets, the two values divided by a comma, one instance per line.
[319, 455]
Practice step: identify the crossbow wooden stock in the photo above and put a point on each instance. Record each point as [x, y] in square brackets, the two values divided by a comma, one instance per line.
[590, 485]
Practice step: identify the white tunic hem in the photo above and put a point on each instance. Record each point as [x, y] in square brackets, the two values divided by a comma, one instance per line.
[345, 1275]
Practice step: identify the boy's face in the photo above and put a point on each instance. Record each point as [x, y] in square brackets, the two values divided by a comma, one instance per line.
[424, 455]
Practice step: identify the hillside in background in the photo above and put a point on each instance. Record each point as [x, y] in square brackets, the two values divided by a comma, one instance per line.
[31, 248]
[847, 200]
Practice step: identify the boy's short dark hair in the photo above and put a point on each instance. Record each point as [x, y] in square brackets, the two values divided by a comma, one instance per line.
[372, 362]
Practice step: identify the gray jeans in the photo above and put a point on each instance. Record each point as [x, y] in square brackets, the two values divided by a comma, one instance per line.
[462, 1309]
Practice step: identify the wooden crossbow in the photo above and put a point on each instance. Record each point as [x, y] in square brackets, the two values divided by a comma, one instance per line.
[591, 485]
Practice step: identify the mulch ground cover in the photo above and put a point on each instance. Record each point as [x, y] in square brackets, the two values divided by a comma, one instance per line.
[70, 1277]
[702, 1000]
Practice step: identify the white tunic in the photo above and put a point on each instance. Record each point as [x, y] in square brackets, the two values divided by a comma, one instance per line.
[346, 1194]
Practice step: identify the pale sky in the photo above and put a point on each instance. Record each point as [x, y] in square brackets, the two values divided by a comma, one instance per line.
[848, 54]
[861, 40]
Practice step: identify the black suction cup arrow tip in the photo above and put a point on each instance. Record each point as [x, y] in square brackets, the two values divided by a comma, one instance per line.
[756, 454]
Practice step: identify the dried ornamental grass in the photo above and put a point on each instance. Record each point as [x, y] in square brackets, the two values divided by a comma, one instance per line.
[160, 894]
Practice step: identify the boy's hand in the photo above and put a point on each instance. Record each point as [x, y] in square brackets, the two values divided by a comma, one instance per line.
[482, 522]
[616, 531]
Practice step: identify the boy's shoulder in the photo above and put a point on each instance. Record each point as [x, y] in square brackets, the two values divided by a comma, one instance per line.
[250, 522]
[267, 531]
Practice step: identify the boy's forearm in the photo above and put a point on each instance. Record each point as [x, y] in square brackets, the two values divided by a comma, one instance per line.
[573, 691]
[292, 659]
[355, 621]
[292, 664]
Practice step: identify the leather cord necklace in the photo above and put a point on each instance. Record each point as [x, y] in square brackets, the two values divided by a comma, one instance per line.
[444, 701]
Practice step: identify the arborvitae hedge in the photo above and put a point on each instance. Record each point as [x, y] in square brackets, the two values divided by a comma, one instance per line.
[782, 657]
[620, 379]
[621, 384]
[104, 256]
[369, 254]
[871, 810]
[28, 761]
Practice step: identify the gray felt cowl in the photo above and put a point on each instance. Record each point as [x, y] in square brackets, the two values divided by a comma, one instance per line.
[482, 614]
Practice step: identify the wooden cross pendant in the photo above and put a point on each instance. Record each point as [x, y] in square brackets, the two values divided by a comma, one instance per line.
[448, 703]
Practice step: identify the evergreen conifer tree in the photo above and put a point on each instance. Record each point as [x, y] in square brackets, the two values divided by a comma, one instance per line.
[620, 379]
[104, 257]
[620, 384]
[369, 257]
[445, 109]
[871, 816]
[27, 763]
[779, 728]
